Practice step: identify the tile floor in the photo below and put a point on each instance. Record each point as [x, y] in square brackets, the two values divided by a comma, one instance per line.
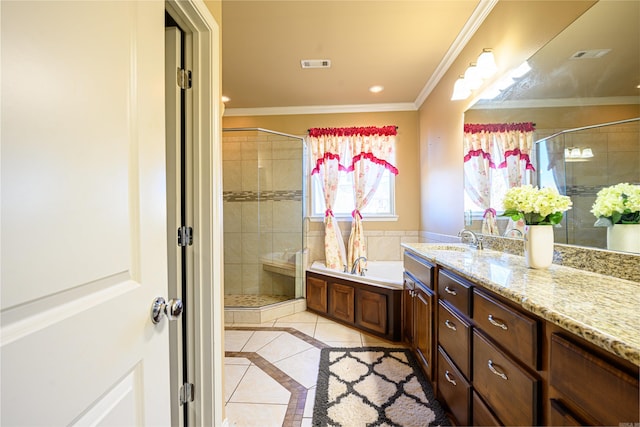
[271, 368]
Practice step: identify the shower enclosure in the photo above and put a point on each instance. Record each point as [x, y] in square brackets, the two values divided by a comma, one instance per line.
[580, 162]
[263, 186]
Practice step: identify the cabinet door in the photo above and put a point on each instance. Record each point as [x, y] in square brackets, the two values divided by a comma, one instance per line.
[407, 310]
[341, 302]
[600, 389]
[316, 294]
[423, 328]
[371, 311]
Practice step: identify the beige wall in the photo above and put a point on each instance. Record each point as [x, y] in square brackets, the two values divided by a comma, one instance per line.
[383, 237]
[407, 181]
[515, 31]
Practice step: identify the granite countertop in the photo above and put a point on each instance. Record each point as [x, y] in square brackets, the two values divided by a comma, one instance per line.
[601, 309]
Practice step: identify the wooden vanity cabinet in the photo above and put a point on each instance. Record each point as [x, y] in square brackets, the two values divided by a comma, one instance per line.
[498, 364]
[418, 301]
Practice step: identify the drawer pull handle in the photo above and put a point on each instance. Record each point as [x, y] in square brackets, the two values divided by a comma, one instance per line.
[446, 375]
[450, 325]
[450, 291]
[495, 371]
[497, 323]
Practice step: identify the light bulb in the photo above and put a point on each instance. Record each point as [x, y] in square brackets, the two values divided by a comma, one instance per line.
[587, 153]
[486, 64]
[460, 90]
[472, 78]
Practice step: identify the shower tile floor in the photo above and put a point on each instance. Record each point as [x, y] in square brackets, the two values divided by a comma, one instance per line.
[253, 300]
[271, 368]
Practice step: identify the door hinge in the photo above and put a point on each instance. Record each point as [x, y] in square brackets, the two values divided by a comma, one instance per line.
[185, 236]
[184, 78]
[186, 393]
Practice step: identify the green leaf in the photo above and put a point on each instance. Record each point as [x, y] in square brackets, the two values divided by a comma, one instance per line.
[513, 214]
[554, 218]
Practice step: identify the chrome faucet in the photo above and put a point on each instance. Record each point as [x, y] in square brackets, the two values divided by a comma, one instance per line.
[475, 242]
[355, 264]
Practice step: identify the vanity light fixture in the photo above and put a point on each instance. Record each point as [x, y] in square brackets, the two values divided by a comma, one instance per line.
[376, 89]
[575, 154]
[460, 90]
[474, 76]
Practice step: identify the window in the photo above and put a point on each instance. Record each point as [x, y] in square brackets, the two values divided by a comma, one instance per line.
[381, 206]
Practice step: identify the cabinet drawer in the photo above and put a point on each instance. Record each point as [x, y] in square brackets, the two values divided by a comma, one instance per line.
[420, 269]
[453, 388]
[507, 388]
[481, 414]
[514, 331]
[454, 291]
[604, 392]
[454, 334]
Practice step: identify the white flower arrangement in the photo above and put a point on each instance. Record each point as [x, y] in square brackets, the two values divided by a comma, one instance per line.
[536, 206]
[618, 204]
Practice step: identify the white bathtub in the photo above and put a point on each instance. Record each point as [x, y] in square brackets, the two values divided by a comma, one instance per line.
[386, 274]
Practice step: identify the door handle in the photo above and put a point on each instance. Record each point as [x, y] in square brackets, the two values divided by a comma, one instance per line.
[172, 309]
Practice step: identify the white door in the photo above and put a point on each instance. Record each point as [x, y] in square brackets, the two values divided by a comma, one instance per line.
[83, 221]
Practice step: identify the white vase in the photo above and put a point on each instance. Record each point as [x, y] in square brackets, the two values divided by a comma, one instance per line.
[538, 246]
[624, 237]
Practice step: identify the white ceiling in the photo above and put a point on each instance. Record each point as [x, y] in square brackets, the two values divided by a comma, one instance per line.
[397, 44]
[405, 46]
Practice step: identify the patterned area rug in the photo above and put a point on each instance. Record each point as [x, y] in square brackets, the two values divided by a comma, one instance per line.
[373, 386]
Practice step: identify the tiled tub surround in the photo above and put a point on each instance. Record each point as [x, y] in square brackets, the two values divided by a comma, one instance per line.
[601, 309]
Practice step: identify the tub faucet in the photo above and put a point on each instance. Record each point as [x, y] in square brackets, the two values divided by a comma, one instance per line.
[355, 264]
[476, 242]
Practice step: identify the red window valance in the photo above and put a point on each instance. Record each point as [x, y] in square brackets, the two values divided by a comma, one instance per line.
[499, 127]
[350, 131]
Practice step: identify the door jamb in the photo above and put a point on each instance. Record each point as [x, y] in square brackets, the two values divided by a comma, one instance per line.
[206, 311]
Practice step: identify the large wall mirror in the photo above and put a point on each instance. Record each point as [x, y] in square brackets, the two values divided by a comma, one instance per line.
[584, 87]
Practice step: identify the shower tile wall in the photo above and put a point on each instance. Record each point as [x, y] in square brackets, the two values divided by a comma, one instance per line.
[616, 151]
[262, 178]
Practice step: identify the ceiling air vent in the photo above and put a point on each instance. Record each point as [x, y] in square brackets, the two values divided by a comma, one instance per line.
[316, 63]
[590, 54]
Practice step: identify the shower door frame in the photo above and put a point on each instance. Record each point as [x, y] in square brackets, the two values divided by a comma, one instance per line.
[303, 184]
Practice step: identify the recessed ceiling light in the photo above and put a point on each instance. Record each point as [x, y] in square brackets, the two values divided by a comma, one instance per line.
[376, 89]
[225, 98]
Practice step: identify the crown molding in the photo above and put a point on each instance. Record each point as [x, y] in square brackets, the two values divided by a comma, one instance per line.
[319, 109]
[470, 27]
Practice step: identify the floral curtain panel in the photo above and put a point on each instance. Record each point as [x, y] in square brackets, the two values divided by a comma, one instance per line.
[328, 150]
[496, 156]
[366, 152]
